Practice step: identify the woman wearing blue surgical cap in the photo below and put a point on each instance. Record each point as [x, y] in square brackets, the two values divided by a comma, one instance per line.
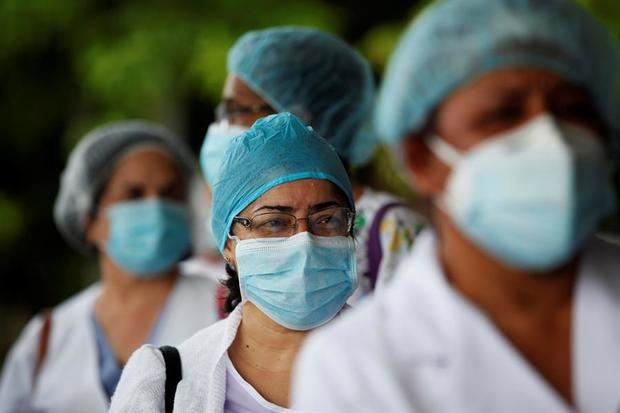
[326, 83]
[508, 112]
[282, 219]
[123, 199]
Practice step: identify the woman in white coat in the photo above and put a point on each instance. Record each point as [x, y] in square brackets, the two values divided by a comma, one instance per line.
[509, 117]
[282, 218]
[123, 198]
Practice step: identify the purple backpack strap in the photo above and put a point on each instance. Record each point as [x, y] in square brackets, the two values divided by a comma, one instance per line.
[375, 252]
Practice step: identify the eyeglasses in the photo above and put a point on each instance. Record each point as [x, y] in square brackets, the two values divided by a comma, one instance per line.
[329, 222]
[227, 108]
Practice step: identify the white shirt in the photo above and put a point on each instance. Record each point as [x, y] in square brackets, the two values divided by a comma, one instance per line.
[69, 379]
[421, 347]
[241, 397]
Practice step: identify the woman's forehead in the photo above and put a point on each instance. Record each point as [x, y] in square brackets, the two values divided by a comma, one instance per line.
[512, 80]
[299, 195]
[237, 90]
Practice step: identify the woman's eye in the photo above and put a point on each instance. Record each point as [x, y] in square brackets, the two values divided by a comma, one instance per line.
[275, 223]
[324, 220]
[272, 224]
[501, 115]
[327, 220]
[134, 193]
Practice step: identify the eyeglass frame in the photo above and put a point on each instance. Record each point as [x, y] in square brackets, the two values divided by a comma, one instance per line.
[248, 221]
[223, 112]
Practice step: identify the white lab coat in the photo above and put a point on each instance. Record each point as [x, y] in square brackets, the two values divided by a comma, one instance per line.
[69, 378]
[421, 347]
[203, 365]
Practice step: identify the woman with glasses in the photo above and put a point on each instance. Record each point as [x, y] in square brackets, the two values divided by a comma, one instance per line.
[327, 84]
[282, 218]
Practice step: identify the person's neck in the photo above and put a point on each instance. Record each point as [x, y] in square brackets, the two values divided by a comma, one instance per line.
[128, 307]
[263, 353]
[122, 287]
[496, 287]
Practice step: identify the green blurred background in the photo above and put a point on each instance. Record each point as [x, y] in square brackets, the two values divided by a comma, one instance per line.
[69, 65]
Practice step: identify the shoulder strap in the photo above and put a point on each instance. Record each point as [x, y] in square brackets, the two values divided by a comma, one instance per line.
[172, 359]
[375, 252]
[44, 336]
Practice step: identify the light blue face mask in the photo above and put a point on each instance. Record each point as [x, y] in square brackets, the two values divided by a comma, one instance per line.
[300, 282]
[147, 237]
[531, 197]
[217, 140]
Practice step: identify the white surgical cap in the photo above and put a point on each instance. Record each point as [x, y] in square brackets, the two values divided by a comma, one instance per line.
[92, 162]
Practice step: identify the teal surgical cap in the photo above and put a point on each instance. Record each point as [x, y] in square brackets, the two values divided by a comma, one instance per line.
[316, 76]
[277, 149]
[456, 41]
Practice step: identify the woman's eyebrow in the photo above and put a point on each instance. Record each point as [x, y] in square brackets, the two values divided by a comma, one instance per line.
[280, 208]
[323, 205]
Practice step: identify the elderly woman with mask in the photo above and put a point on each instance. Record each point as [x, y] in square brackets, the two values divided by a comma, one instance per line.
[508, 111]
[123, 199]
[327, 84]
[282, 219]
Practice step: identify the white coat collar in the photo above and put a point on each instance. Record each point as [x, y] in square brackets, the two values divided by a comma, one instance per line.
[466, 352]
[203, 356]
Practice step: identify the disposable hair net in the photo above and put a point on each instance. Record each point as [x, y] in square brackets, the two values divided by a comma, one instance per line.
[316, 76]
[456, 41]
[93, 160]
[277, 149]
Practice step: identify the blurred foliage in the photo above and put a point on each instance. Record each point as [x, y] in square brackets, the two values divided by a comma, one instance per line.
[608, 11]
[69, 65]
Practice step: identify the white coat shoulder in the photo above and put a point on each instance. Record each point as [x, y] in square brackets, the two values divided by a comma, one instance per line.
[413, 346]
[141, 387]
[142, 384]
[16, 384]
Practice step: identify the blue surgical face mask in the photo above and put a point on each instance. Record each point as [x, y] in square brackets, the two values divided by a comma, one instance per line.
[217, 140]
[530, 197]
[147, 237]
[300, 282]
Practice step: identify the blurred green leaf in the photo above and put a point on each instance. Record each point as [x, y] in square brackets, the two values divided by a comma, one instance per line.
[11, 220]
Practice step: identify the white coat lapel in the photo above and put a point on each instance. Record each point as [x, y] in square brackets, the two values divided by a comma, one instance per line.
[596, 339]
[187, 310]
[70, 375]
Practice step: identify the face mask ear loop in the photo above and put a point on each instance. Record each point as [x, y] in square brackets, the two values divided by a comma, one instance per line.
[448, 155]
[444, 151]
[236, 240]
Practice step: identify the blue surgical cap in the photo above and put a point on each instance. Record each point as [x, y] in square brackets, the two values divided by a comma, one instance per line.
[277, 149]
[456, 41]
[316, 76]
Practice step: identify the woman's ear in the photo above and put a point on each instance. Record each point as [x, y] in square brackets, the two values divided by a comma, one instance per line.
[96, 229]
[229, 253]
[429, 173]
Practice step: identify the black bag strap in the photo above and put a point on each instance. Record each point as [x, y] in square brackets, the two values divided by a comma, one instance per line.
[174, 373]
